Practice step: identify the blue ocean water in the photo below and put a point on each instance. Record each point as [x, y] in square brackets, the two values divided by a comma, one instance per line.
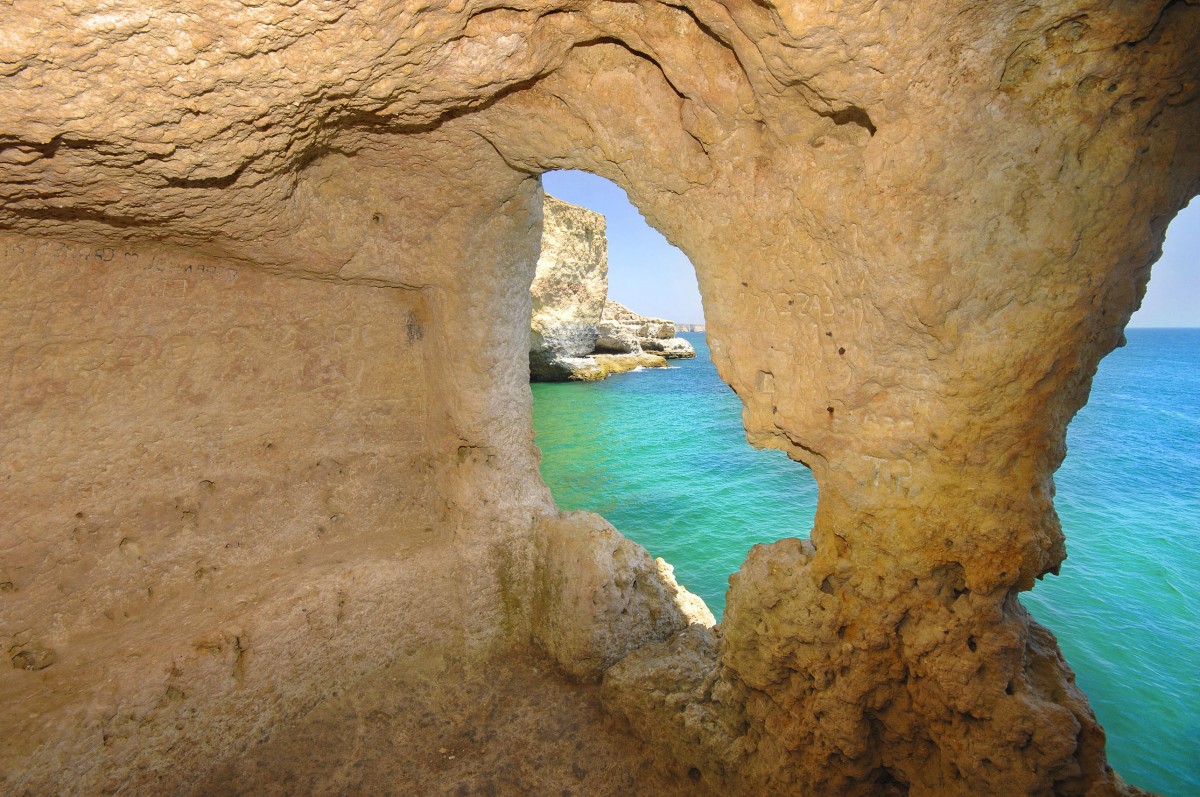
[662, 455]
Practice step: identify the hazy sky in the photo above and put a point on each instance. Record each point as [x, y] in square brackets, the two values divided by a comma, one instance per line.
[1173, 296]
[651, 277]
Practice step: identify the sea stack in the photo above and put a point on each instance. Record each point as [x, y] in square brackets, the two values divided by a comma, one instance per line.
[575, 333]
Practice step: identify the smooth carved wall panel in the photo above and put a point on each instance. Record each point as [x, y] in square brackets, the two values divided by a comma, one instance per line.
[179, 437]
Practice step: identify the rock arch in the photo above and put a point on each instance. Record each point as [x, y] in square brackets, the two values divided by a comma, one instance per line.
[916, 234]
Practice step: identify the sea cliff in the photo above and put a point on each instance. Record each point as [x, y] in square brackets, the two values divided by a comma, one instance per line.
[575, 333]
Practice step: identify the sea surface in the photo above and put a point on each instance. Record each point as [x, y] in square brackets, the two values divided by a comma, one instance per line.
[662, 455]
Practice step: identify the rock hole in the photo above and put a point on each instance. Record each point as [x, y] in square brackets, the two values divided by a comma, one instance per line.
[852, 115]
[971, 644]
[661, 454]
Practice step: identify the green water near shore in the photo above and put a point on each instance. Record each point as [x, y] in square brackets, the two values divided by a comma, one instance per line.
[661, 454]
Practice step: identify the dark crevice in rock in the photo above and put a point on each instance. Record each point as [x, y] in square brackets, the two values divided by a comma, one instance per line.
[224, 181]
[73, 214]
[1156, 25]
[638, 53]
[852, 115]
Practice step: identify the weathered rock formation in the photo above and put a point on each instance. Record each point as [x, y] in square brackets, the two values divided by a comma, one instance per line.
[569, 289]
[575, 334]
[623, 330]
[265, 415]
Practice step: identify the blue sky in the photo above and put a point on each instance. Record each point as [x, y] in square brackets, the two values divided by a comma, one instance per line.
[651, 277]
[1173, 296]
[645, 273]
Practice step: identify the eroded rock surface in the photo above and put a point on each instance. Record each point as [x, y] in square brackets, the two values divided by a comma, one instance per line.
[508, 726]
[598, 596]
[621, 327]
[575, 333]
[569, 290]
[265, 414]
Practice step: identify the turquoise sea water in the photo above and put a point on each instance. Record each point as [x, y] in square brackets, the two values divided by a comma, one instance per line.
[661, 454]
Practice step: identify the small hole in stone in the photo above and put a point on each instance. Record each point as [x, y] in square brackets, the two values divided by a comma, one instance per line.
[841, 349]
[1008, 690]
[827, 585]
[1112, 87]
[377, 218]
[829, 410]
[694, 773]
[829, 334]
[971, 643]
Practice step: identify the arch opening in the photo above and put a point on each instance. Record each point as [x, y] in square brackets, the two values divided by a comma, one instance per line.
[1128, 505]
[662, 454]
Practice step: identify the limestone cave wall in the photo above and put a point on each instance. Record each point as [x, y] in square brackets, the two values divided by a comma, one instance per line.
[265, 416]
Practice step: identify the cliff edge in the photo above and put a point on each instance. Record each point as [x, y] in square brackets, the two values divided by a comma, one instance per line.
[575, 333]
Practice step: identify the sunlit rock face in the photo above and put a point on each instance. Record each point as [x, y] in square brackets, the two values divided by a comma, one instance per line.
[575, 333]
[569, 289]
[265, 417]
[621, 326]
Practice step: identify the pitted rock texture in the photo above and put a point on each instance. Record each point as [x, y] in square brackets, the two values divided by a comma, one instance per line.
[916, 230]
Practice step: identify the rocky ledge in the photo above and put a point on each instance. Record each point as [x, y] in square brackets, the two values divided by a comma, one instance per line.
[575, 333]
[624, 331]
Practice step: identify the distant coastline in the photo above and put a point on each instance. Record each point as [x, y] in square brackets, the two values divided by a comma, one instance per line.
[689, 327]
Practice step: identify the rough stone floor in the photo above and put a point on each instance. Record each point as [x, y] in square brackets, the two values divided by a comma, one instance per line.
[514, 726]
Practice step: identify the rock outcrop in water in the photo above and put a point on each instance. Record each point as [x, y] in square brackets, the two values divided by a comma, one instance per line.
[264, 346]
[575, 334]
[622, 330]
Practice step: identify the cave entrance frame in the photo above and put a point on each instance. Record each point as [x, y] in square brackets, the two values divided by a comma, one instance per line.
[935, 476]
[707, 481]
